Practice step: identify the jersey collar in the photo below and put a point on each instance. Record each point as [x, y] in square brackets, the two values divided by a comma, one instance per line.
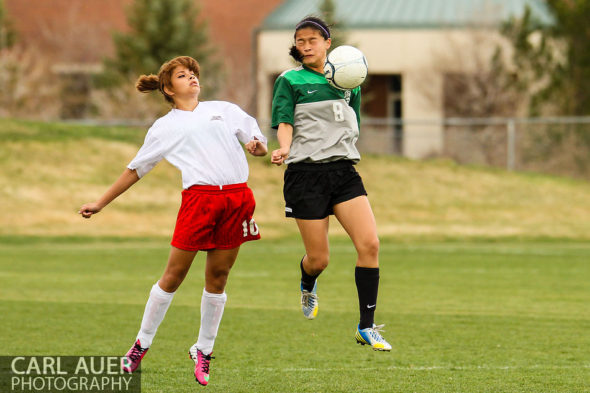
[310, 70]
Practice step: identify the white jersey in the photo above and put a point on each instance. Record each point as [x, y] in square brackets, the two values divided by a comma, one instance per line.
[203, 144]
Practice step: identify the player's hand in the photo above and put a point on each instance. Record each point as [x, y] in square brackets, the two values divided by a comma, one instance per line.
[89, 209]
[279, 156]
[253, 145]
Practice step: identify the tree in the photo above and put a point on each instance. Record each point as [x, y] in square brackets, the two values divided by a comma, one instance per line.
[161, 30]
[536, 66]
[328, 11]
[552, 65]
[7, 34]
[571, 26]
[553, 62]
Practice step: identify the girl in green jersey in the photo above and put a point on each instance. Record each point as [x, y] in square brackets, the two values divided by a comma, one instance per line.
[318, 126]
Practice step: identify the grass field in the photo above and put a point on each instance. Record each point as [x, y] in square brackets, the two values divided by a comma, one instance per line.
[484, 275]
[461, 316]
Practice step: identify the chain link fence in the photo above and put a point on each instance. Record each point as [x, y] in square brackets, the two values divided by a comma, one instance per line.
[559, 146]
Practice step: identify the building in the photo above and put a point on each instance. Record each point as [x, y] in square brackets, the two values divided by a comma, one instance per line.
[411, 47]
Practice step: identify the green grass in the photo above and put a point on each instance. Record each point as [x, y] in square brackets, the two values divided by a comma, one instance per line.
[12, 130]
[462, 317]
[484, 281]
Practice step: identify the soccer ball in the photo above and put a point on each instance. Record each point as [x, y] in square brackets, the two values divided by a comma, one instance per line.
[345, 67]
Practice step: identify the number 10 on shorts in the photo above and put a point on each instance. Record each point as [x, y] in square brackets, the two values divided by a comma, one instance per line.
[250, 226]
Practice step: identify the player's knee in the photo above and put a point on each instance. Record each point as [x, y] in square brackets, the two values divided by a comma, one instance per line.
[217, 280]
[170, 282]
[318, 262]
[219, 275]
[369, 248]
[220, 272]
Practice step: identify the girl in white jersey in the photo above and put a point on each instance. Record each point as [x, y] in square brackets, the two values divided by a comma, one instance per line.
[202, 139]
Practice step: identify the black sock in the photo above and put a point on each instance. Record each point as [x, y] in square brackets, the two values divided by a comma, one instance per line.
[367, 285]
[307, 280]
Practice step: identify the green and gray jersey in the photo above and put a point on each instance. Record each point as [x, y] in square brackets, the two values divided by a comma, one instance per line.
[325, 120]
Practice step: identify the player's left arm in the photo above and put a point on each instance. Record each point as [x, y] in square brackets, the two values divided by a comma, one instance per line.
[247, 131]
[355, 103]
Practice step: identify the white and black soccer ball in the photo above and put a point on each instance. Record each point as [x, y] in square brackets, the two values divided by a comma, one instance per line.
[346, 67]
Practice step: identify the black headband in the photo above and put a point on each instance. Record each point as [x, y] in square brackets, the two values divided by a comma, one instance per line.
[313, 23]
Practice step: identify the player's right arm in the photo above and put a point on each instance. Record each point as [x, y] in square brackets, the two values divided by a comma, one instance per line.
[285, 137]
[283, 108]
[128, 178]
[151, 152]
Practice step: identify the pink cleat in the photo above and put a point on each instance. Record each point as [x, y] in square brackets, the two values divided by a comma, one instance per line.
[131, 360]
[201, 364]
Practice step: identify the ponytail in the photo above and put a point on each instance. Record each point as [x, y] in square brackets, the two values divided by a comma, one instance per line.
[295, 54]
[147, 83]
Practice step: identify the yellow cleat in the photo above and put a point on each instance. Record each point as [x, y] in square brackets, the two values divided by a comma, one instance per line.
[309, 302]
[372, 336]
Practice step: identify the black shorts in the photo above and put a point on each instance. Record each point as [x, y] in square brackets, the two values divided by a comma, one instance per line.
[312, 190]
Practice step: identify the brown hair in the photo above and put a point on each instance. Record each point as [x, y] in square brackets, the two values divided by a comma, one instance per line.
[315, 23]
[147, 83]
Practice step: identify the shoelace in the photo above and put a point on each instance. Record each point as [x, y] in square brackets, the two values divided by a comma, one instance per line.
[307, 299]
[205, 363]
[136, 352]
[376, 332]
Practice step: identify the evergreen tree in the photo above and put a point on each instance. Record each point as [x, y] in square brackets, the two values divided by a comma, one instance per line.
[328, 11]
[161, 30]
[572, 20]
[7, 34]
[535, 57]
[553, 62]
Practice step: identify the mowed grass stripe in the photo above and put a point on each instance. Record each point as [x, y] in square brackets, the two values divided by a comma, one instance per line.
[260, 351]
[462, 341]
[456, 280]
[462, 317]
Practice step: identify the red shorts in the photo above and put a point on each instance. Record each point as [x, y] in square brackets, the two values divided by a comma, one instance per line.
[215, 217]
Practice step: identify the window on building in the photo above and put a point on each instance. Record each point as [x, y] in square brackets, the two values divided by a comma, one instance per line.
[382, 104]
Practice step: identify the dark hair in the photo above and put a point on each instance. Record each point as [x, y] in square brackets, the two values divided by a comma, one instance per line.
[312, 22]
[147, 83]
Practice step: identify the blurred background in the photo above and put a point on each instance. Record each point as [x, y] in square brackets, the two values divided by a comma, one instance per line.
[475, 114]
[492, 82]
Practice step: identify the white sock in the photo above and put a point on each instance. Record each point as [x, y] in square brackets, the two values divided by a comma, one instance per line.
[212, 305]
[154, 313]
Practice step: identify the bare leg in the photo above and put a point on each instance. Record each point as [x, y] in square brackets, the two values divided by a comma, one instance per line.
[356, 216]
[219, 263]
[179, 263]
[315, 239]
